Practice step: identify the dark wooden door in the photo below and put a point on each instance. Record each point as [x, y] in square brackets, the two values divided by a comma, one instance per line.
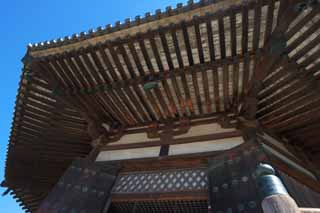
[84, 188]
[232, 183]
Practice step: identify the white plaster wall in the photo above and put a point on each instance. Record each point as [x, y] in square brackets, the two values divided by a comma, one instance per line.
[129, 154]
[188, 148]
[134, 138]
[194, 131]
[207, 146]
[179, 149]
[205, 130]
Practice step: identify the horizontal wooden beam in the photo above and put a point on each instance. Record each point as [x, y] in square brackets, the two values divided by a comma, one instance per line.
[154, 76]
[299, 176]
[184, 196]
[195, 120]
[291, 157]
[192, 139]
[309, 210]
[194, 160]
[117, 39]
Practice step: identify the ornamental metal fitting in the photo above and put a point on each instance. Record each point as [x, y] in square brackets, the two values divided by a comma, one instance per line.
[268, 183]
[150, 85]
[56, 91]
[264, 169]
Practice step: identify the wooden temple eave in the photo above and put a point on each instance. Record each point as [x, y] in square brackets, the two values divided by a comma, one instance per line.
[158, 110]
[167, 76]
[285, 152]
[287, 114]
[180, 14]
[31, 152]
[150, 77]
[269, 59]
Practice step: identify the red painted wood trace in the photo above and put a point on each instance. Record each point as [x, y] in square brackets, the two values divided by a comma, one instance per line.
[250, 67]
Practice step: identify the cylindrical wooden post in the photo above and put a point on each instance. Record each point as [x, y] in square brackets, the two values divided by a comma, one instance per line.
[275, 198]
[97, 145]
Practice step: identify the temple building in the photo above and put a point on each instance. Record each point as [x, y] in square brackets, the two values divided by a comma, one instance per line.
[212, 106]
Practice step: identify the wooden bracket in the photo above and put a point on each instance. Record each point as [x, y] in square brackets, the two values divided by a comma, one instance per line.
[225, 122]
[167, 132]
[111, 135]
[250, 128]
[97, 145]
[115, 134]
[244, 123]
[152, 131]
[155, 131]
[108, 135]
[250, 107]
[94, 130]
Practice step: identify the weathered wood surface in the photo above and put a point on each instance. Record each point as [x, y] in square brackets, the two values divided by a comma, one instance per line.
[231, 183]
[200, 67]
[309, 210]
[83, 187]
[304, 195]
[279, 204]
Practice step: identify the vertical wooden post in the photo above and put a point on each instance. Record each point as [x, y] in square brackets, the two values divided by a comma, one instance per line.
[166, 136]
[249, 129]
[274, 194]
[97, 145]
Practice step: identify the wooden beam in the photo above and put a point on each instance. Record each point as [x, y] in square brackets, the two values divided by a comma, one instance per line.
[192, 139]
[194, 160]
[117, 84]
[309, 210]
[285, 154]
[270, 57]
[145, 197]
[300, 177]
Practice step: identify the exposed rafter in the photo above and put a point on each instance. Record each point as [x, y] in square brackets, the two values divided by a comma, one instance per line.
[200, 68]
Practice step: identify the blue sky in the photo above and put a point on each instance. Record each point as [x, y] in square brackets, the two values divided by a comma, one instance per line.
[31, 21]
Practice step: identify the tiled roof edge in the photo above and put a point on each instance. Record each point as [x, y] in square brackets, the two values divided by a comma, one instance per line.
[128, 23]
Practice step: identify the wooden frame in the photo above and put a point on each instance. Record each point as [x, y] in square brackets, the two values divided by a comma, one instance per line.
[142, 80]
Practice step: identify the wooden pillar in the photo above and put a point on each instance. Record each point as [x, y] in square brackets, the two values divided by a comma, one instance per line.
[97, 144]
[249, 129]
[92, 156]
[102, 136]
[275, 198]
[166, 137]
